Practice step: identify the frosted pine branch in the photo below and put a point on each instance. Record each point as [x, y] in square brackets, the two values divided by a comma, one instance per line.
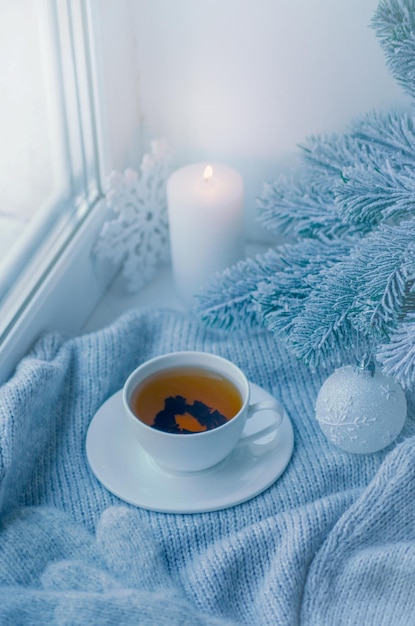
[235, 298]
[283, 295]
[398, 355]
[386, 266]
[302, 208]
[372, 196]
[333, 153]
[349, 281]
[323, 330]
[391, 133]
[394, 23]
[227, 302]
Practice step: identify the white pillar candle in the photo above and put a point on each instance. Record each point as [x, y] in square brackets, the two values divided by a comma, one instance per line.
[205, 209]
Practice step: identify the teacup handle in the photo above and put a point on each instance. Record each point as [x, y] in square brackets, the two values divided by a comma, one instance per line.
[265, 405]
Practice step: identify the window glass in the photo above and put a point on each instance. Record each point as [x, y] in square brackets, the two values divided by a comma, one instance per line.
[48, 158]
[30, 147]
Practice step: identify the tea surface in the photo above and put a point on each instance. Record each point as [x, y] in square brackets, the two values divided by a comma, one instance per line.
[186, 400]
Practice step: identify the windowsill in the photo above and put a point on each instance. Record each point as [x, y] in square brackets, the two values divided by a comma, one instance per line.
[158, 294]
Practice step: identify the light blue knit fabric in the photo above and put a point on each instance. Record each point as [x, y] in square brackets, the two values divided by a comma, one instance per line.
[332, 542]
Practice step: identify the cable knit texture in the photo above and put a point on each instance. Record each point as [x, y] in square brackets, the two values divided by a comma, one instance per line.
[331, 542]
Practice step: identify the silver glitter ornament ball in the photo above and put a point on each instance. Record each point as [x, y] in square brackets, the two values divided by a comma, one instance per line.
[360, 410]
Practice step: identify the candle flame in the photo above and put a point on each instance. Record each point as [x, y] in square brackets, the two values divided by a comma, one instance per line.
[207, 174]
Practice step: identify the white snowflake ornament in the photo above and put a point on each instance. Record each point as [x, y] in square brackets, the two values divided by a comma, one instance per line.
[138, 236]
[360, 410]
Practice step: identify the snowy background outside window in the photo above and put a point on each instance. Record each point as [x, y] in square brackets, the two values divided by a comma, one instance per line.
[31, 140]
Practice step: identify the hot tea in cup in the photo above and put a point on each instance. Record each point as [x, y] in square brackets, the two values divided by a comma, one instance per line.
[188, 409]
[185, 400]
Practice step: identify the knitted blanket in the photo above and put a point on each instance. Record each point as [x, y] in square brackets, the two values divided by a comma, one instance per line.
[331, 542]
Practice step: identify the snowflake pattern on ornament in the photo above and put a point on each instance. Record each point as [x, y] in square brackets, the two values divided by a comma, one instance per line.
[341, 420]
[137, 237]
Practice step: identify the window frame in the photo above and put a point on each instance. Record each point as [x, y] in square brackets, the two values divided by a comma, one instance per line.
[68, 282]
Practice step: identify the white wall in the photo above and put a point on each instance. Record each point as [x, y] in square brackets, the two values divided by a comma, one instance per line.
[245, 81]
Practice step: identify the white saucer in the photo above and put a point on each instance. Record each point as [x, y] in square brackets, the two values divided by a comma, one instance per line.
[126, 470]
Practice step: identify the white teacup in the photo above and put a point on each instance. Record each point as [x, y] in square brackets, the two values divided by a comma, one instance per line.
[200, 450]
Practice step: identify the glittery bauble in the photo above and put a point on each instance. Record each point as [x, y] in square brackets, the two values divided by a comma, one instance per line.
[360, 411]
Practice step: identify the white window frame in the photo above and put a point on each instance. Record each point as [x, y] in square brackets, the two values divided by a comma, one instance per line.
[68, 283]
